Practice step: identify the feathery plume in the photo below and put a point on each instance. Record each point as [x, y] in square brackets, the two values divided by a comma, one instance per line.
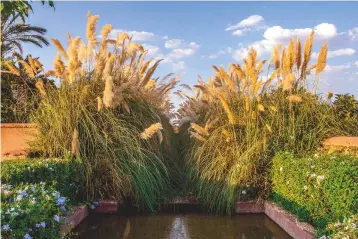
[99, 104]
[307, 51]
[329, 95]
[298, 54]
[322, 57]
[59, 47]
[151, 130]
[226, 107]
[12, 68]
[197, 136]
[27, 68]
[294, 98]
[40, 86]
[199, 129]
[108, 94]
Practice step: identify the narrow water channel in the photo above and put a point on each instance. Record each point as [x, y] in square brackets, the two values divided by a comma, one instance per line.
[179, 225]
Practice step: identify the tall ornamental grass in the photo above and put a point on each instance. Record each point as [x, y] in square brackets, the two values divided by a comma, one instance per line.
[237, 121]
[108, 111]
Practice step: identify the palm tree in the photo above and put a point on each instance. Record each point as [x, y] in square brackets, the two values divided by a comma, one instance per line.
[13, 34]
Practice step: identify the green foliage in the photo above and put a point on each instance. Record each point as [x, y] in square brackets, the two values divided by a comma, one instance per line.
[346, 229]
[346, 108]
[319, 189]
[240, 157]
[32, 211]
[65, 174]
[20, 7]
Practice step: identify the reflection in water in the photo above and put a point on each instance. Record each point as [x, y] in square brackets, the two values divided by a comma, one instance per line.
[179, 226]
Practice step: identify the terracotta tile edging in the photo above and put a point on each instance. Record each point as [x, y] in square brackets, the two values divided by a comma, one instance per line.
[288, 222]
[79, 214]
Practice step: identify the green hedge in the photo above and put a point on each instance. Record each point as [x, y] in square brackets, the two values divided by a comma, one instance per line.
[319, 189]
[65, 174]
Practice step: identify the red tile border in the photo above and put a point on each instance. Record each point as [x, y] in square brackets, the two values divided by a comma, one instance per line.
[79, 214]
[249, 207]
[288, 222]
[106, 207]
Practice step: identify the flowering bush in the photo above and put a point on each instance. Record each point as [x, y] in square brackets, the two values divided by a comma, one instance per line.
[319, 189]
[65, 174]
[348, 229]
[32, 211]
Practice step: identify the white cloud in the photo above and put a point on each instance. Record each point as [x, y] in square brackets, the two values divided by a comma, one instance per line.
[173, 43]
[356, 63]
[241, 32]
[177, 66]
[153, 51]
[336, 53]
[337, 68]
[248, 22]
[353, 34]
[137, 35]
[185, 50]
[261, 47]
[277, 34]
[220, 53]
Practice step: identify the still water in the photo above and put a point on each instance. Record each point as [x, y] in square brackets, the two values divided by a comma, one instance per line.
[179, 226]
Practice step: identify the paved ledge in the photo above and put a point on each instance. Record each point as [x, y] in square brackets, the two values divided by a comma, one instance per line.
[79, 214]
[18, 125]
[182, 200]
[341, 142]
[249, 207]
[107, 207]
[288, 222]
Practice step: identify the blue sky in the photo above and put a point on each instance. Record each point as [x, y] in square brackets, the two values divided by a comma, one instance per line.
[192, 36]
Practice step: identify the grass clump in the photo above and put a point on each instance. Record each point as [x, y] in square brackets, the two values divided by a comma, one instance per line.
[319, 189]
[242, 120]
[106, 100]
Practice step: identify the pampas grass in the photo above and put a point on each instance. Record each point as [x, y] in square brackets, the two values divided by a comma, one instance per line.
[98, 113]
[253, 122]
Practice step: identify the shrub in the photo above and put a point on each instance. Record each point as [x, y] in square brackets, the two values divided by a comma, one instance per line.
[347, 229]
[32, 211]
[238, 122]
[106, 99]
[65, 174]
[319, 189]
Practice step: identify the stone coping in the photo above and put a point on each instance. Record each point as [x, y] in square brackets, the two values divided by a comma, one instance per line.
[18, 125]
[287, 221]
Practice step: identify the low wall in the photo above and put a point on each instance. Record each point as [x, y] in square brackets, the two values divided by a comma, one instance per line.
[14, 139]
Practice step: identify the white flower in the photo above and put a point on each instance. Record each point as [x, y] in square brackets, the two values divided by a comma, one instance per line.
[38, 225]
[46, 165]
[313, 175]
[33, 187]
[56, 194]
[28, 168]
[288, 182]
[332, 157]
[19, 197]
[56, 218]
[313, 166]
[320, 178]
[30, 229]
[305, 188]
[12, 209]
[316, 155]
[6, 227]
[43, 224]
[281, 169]
[42, 183]
[27, 236]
